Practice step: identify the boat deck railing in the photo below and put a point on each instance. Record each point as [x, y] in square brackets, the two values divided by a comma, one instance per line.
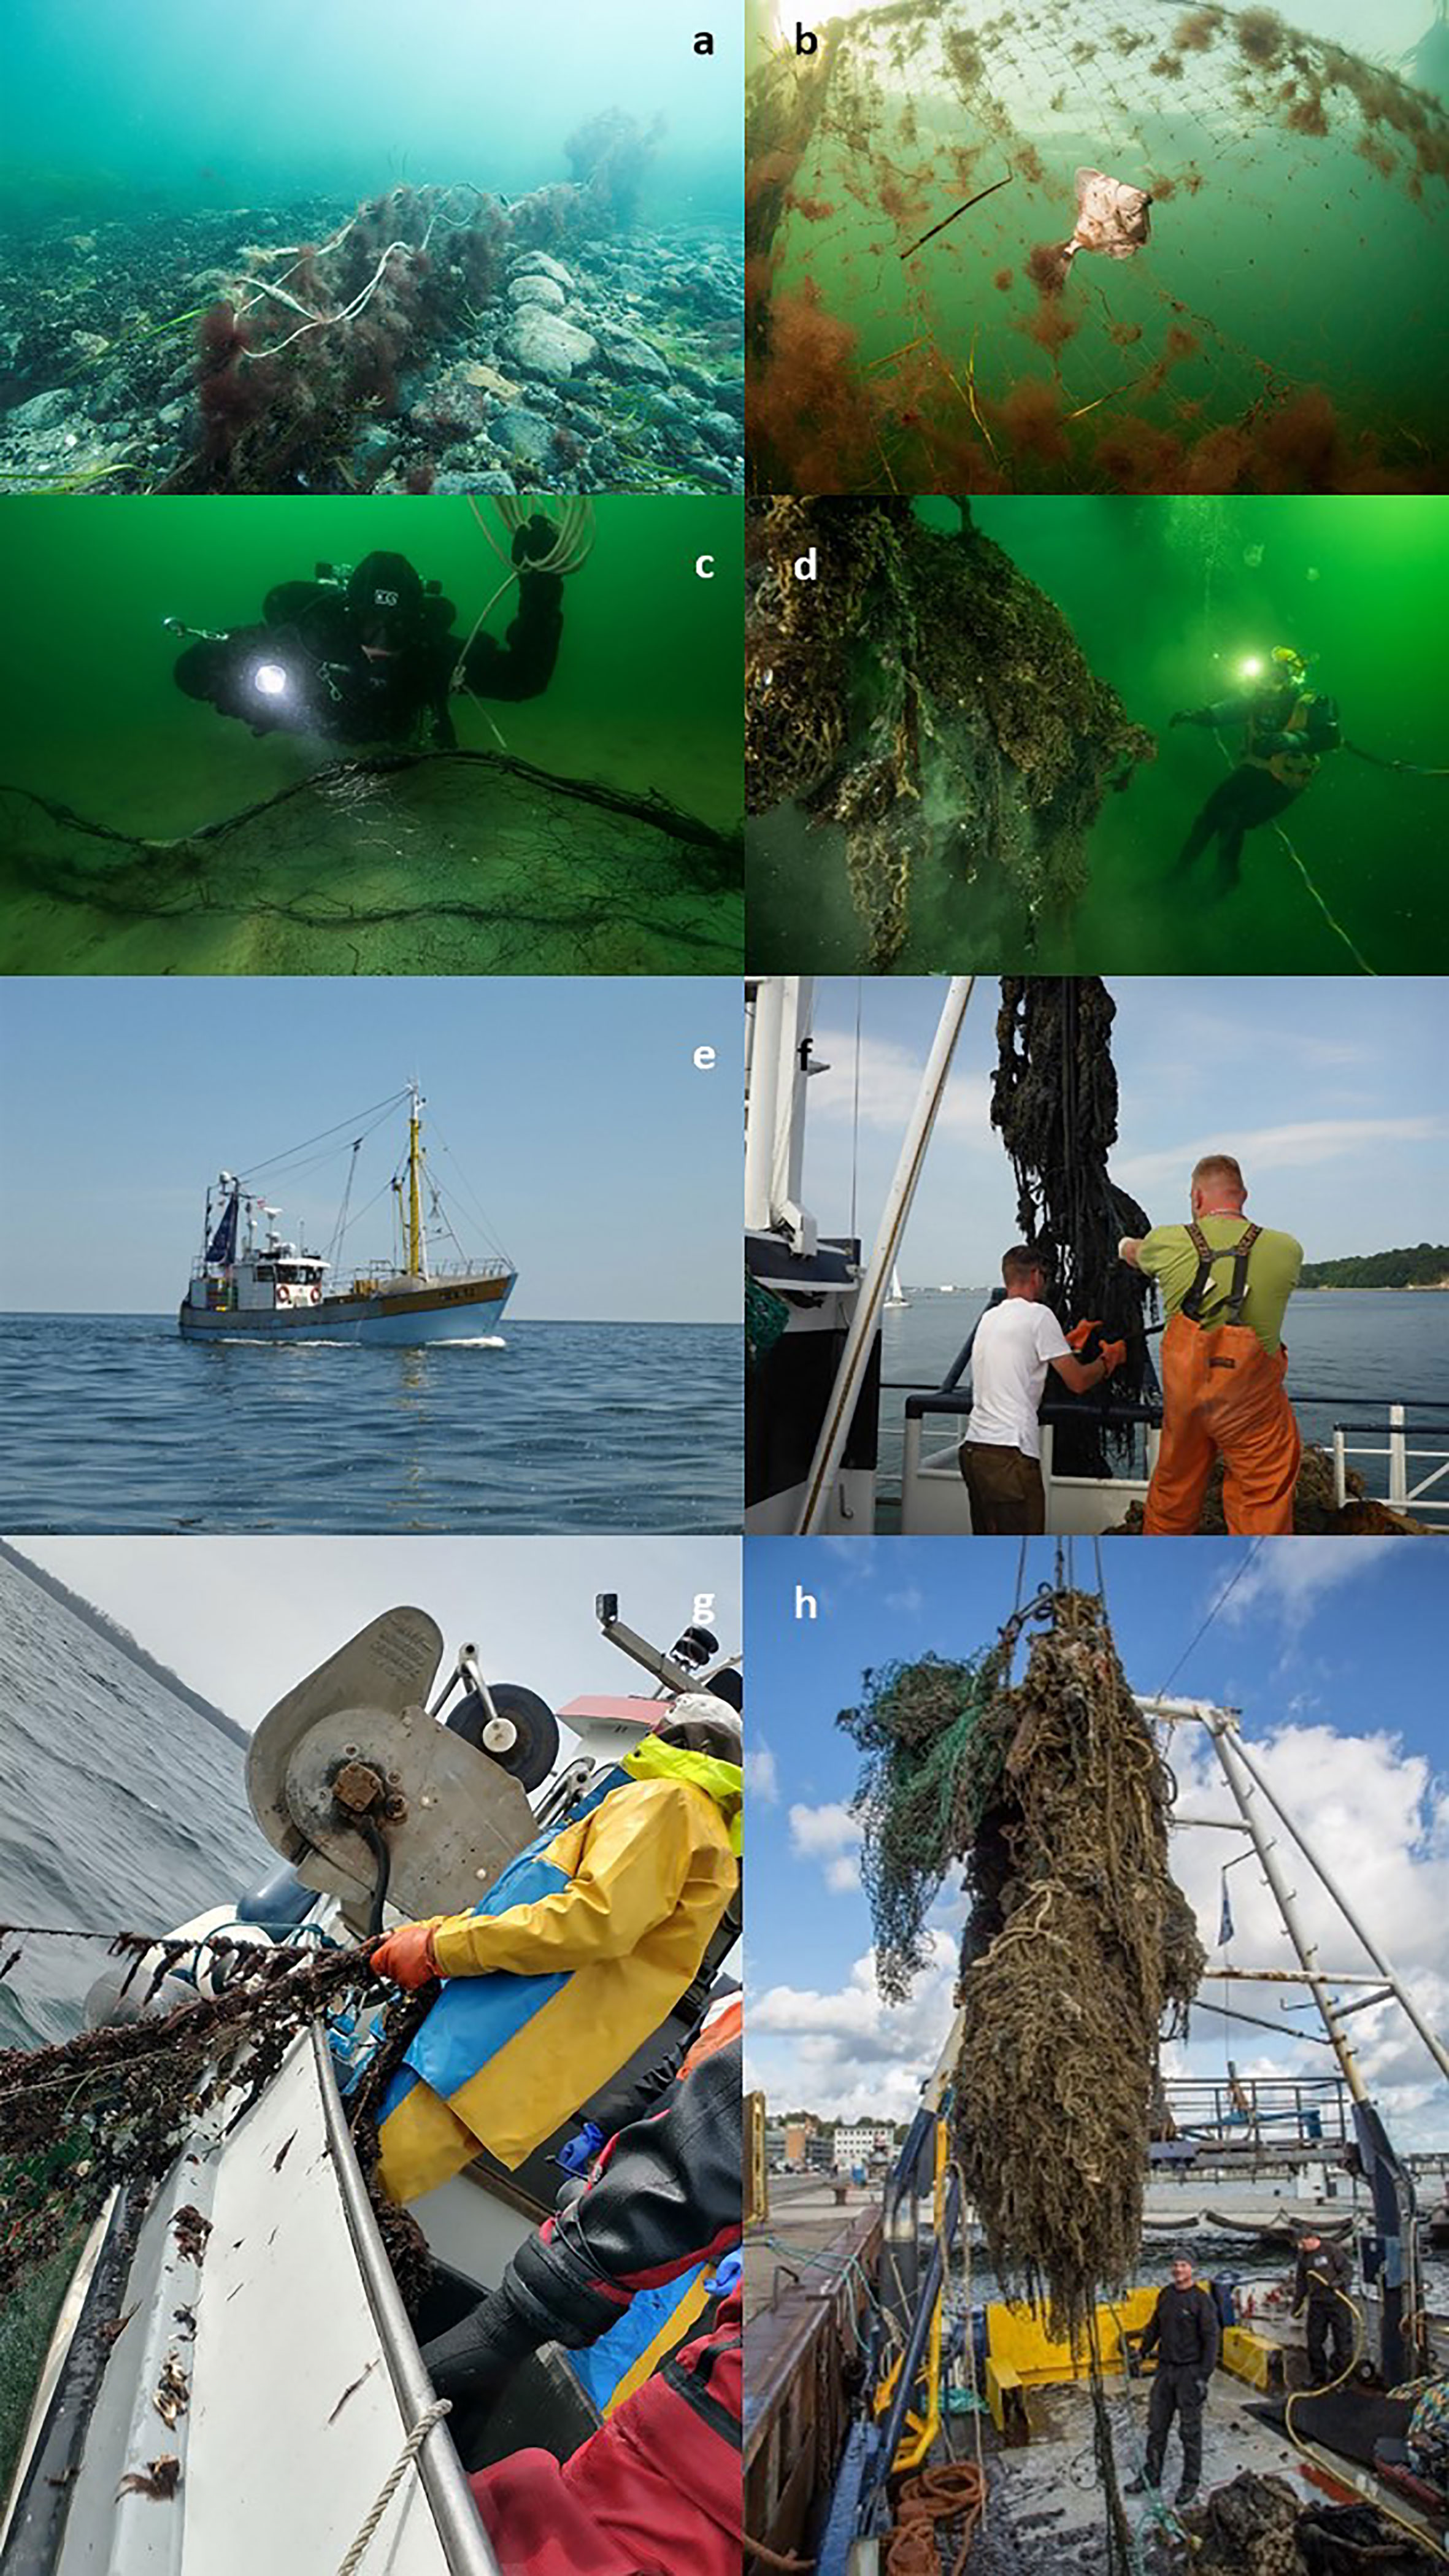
[933, 1493]
[1245, 2110]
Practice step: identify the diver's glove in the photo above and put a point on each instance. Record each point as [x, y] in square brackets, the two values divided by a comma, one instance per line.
[475, 2358]
[579, 2154]
[1181, 717]
[535, 540]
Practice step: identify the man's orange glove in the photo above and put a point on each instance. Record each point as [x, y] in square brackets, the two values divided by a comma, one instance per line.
[1081, 1334]
[1111, 1355]
[407, 1954]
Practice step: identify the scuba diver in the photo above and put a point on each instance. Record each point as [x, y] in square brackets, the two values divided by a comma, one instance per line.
[369, 655]
[1286, 729]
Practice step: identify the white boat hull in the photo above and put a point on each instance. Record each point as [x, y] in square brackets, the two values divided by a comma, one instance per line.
[447, 1311]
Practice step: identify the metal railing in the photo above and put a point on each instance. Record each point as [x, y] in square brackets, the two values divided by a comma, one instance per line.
[1393, 1446]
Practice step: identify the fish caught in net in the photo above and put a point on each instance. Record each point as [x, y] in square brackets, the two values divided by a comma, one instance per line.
[924, 714]
[1079, 1948]
[442, 862]
[1270, 329]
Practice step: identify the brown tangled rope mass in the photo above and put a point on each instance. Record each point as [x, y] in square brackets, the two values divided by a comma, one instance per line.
[942, 2504]
[1077, 1948]
[117, 2104]
[918, 693]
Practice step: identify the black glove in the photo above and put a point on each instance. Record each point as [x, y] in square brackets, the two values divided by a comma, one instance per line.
[535, 540]
[1178, 719]
[476, 2357]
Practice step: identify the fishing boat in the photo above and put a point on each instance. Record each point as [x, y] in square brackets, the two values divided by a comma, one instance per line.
[233, 2380]
[877, 2373]
[249, 1283]
[814, 1411]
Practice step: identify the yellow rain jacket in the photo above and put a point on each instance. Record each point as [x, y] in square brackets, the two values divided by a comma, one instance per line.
[579, 1950]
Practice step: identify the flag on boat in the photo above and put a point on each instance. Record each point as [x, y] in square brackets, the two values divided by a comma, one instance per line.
[222, 1246]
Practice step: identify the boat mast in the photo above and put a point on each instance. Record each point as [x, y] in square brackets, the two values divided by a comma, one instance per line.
[417, 1241]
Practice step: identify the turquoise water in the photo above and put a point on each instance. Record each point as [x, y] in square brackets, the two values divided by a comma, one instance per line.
[643, 700]
[195, 106]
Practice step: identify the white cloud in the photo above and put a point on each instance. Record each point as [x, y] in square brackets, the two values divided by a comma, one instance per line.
[842, 1875]
[1292, 1578]
[1378, 1818]
[762, 1780]
[1267, 1149]
[910, 1601]
[817, 1832]
[889, 1080]
[846, 2054]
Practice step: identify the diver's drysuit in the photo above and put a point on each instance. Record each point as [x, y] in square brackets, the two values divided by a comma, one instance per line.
[1285, 733]
[372, 661]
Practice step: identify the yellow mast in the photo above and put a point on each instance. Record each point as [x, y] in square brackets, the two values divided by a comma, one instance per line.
[415, 1209]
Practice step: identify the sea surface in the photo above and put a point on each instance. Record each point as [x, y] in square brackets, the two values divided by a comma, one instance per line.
[115, 1424]
[124, 1810]
[1351, 1351]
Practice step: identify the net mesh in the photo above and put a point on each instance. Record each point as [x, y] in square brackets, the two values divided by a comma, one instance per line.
[1277, 334]
[1078, 1946]
[454, 862]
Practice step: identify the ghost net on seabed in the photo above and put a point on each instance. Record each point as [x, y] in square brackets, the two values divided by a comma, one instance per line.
[1079, 1953]
[1054, 1105]
[438, 862]
[928, 700]
[1083, 245]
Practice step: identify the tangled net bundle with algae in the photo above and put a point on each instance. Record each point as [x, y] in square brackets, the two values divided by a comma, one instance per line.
[927, 699]
[1078, 1946]
[1278, 334]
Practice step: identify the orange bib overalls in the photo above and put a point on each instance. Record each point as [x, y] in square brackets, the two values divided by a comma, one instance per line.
[1222, 1397]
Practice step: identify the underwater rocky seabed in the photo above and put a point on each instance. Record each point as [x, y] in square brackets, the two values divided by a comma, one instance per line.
[371, 867]
[614, 364]
[912, 325]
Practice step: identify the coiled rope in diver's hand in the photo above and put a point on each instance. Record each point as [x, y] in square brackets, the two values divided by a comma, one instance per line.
[954, 2492]
[572, 546]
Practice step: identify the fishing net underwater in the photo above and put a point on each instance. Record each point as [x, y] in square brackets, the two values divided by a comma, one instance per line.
[926, 715]
[456, 862]
[1093, 245]
[1079, 1950]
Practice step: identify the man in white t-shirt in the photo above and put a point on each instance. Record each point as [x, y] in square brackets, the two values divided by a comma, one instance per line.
[1016, 1343]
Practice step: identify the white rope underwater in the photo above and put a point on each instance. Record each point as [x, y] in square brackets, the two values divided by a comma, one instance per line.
[1335, 926]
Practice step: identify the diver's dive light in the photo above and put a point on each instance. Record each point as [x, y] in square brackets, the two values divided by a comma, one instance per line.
[1251, 668]
[270, 680]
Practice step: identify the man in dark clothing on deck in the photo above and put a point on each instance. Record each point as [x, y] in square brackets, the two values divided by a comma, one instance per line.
[1321, 2285]
[1183, 2332]
[1287, 728]
[369, 655]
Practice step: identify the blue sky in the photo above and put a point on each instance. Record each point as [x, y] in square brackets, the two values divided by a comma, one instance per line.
[1331, 1649]
[608, 1165]
[1330, 1091]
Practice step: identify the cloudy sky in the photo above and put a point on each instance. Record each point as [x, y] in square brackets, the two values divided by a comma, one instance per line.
[571, 1109]
[1329, 1091]
[242, 1620]
[1331, 1650]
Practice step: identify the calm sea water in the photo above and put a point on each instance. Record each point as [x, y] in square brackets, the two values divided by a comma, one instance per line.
[114, 1424]
[1354, 1350]
[124, 1810]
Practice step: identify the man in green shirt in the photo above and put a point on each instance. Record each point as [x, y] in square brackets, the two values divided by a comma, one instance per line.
[1225, 1284]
